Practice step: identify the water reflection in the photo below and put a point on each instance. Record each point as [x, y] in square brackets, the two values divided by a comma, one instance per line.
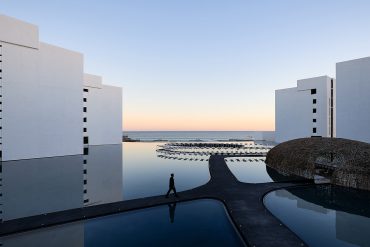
[195, 226]
[145, 174]
[38, 186]
[324, 215]
[254, 170]
[104, 174]
[172, 209]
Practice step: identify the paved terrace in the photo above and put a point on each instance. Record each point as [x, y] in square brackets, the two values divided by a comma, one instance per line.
[243, 202]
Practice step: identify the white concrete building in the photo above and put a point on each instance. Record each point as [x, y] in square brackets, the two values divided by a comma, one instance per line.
[306, 110]
[103, 110]
[42, 107]
[41, 94]
[353, 104]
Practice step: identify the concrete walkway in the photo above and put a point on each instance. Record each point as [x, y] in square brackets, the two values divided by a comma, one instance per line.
[243, 201]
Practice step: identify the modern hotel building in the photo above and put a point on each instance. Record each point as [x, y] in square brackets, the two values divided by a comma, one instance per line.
[48, 105]
[353, 104]
[306, 110]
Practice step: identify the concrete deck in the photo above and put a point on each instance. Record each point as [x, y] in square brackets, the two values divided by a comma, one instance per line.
[256, 225]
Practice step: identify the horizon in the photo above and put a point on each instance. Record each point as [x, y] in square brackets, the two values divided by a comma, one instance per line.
[202, 66]
[198, 130]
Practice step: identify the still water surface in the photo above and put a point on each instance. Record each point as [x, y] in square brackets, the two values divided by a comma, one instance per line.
[108, 173]
[324, 215]
[254, 170]
[146, 174]
[196, 223]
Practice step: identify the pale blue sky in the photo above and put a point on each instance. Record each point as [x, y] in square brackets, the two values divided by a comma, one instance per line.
[202, 64]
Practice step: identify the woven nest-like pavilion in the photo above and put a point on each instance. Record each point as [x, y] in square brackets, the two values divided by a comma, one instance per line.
[344, 162]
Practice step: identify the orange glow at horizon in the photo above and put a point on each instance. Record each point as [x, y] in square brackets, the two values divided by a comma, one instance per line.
[195, 123]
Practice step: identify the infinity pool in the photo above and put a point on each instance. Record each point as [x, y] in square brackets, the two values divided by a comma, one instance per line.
[195, 223]
[324, 215]
[146, 174]
[254, 170]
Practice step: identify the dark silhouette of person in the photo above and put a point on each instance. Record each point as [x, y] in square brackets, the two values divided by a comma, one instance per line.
[172, 186]
[171, 209]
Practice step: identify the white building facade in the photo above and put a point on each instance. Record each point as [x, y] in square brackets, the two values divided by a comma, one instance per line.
[353, 105]
[103, 110]
[306, 110]
[42, 109]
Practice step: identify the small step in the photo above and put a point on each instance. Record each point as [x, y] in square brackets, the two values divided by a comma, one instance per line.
[321, 180]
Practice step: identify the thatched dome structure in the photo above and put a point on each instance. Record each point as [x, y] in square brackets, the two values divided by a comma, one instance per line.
[350, 160]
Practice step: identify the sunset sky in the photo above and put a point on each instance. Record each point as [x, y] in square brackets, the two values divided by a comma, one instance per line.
[202, 64]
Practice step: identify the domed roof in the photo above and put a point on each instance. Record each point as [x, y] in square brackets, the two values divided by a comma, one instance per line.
[348, 161]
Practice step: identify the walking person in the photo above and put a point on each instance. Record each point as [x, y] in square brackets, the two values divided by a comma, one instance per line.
[172, 186]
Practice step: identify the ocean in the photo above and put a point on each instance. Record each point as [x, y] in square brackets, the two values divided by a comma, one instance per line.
[200, 135]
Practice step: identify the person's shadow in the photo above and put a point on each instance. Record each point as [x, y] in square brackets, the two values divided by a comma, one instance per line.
[171, 210]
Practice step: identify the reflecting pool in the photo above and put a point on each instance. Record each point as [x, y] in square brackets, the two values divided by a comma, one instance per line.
[195, 223]
[254, 170]
[324, 215]
[147, 174]
[38, 186]
[108, 173]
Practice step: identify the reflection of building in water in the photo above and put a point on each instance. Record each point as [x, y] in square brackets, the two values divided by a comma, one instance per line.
[72, 235]
[352, 228]
[104, 174]
[37, 186]
[352, 221]
[301, 203]
[51, 184]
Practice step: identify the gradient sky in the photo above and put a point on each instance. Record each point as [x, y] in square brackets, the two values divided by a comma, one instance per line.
[202, 64]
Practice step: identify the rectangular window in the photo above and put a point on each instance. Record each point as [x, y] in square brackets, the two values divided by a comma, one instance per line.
[85, 100]
[85, 161]
[86, 201]
[314, 120]
[85, 191]
[85, 109]
[314, 130]
[85, 129]
[86, 90]
[85, 171]
[313, 91]
[314, 110]
[85, 120]
[86, 140]
[314, 101]
[86, 151]
[85, 181]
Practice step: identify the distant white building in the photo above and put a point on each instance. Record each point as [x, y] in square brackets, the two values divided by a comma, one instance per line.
[42, 100]
[353, 104]
[306, 110]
